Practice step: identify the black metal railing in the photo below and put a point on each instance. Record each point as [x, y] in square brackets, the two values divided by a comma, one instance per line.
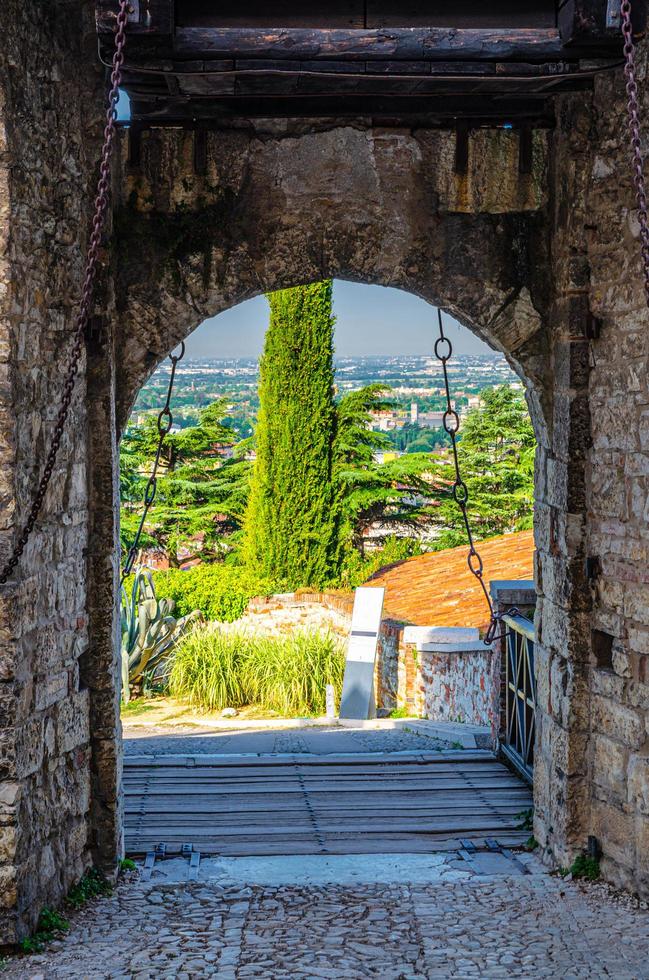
[520, 695]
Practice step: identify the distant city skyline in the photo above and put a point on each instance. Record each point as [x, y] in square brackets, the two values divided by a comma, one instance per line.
[370, 320]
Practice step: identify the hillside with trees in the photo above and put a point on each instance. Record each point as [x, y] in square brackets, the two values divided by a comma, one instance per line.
[318, 506]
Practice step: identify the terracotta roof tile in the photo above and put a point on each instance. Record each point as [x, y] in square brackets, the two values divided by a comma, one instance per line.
[437, 589]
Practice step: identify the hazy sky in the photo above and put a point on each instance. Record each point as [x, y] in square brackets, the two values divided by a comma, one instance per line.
[369, 320]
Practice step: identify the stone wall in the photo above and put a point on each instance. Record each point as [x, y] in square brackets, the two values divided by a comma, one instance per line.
[524, 260]
[525, 270]
[617, 496]
[456, 678]
[49, 115]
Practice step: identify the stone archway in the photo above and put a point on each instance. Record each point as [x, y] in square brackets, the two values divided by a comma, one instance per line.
[379, 207]
[523, 259]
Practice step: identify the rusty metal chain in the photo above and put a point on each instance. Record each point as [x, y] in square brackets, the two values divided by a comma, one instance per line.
[451, 423]
[634, 127]
[165, 422]
[85, 306]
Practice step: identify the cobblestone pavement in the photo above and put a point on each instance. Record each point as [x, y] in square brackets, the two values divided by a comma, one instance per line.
[160, 740]
[528, 927]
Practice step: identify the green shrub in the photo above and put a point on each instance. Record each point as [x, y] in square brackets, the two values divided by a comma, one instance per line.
[50, 925]
[214, 669]
[220, 592]
[92, 885]
[585, 867]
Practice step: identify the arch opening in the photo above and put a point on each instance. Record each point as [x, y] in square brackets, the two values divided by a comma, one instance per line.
[507, 378]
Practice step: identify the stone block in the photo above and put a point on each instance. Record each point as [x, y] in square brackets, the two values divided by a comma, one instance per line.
[615, 831]
[8, 842]
[608, 684]
[610, 765]
[608, 492]
[8, 898]
[637, 695]
[618, 722]
[51, 689]
[73, 724]
[638, 785]
[639, 639]
[10, 793]
[636, 602]
[29, 747]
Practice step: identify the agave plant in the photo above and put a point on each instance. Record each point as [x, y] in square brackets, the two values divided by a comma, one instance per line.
[149, 630]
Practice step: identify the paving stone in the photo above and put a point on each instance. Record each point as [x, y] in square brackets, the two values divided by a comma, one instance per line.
[511, 926]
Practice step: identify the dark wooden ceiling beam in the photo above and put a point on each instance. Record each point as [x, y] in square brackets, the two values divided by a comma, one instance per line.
[433, 44]
[431, 110]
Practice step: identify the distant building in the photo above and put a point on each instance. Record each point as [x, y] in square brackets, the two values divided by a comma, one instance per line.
[387, 457]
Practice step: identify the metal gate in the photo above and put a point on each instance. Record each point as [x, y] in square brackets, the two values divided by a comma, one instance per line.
[520, 695]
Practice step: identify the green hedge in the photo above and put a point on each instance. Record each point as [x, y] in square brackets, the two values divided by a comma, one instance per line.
[220, 592]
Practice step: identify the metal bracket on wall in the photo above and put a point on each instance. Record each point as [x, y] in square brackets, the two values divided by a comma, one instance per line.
[593, 327]
[613, 15]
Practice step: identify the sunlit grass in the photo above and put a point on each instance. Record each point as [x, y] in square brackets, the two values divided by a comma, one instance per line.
[137, 707]
[214, 669]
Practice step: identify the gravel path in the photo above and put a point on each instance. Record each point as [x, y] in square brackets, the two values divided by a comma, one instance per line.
[160, 740]
[529, 927]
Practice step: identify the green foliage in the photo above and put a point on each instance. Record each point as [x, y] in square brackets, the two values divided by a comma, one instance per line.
[92, 885]
[289, 674]
[496, 454]
[149, 630]
[200, 498]
[214, 669]
[290, 523]
[126, 864]
[526, 818]
[219, 591]
[414, 438]
[137, 707]
[50, 925]
[585, 867]
[403, 712]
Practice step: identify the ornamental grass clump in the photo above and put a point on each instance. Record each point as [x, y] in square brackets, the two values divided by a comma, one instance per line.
[207, 668]
[215, 668]
[289, 674]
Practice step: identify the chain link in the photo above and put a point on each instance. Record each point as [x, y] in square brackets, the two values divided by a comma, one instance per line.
[165, 422]
[85, 306]
[634, 127]
[460, 491]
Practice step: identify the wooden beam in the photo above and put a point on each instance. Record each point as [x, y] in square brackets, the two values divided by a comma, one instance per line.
[365, 13]
[429, 110]
[434, 44]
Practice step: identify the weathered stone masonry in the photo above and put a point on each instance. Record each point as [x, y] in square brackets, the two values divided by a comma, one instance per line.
[521, 258]
[50, 98]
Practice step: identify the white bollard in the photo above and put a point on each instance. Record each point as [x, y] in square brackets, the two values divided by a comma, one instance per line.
[331, 701]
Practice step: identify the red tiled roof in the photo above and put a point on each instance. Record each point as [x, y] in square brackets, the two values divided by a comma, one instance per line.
[437, 589]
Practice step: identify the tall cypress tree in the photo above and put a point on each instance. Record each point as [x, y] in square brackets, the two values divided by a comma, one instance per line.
[290, 527]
